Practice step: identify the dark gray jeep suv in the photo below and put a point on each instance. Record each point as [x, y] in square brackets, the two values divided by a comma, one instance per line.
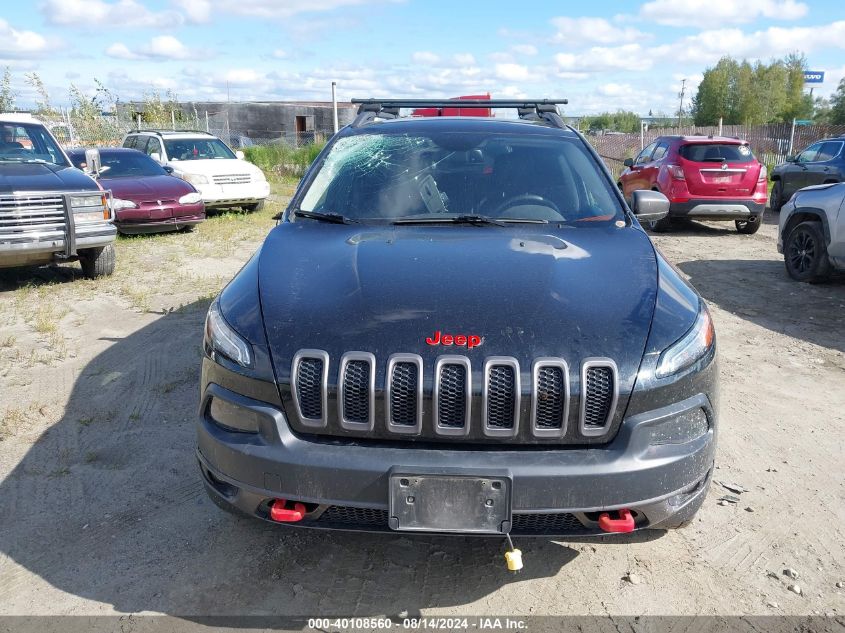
[459, 326]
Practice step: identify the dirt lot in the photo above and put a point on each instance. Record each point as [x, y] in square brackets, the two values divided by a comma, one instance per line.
[102, 510]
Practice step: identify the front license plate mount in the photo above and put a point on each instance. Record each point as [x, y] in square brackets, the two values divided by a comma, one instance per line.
[450, 502]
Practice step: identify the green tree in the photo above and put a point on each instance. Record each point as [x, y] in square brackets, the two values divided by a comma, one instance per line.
[837, 105]
[619, 121]
[43, 107]
[7, 93]
[713, 100]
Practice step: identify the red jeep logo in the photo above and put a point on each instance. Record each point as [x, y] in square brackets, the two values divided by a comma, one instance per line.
[461, 340]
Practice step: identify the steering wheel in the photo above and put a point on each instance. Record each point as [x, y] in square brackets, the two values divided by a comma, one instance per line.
[527, 199]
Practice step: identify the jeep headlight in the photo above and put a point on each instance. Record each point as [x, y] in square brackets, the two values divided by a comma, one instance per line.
[195, 179]
[93, 207]
[689, 348]
[221, 339]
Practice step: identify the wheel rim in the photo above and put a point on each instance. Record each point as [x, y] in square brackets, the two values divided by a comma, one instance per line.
[802, 252]
[775, 197]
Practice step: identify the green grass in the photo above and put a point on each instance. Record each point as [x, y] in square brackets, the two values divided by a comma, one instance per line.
[282, 159]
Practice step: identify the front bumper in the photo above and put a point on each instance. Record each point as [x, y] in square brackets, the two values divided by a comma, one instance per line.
[32, 248]
[718, 208]
[559, 491]
[215, 196]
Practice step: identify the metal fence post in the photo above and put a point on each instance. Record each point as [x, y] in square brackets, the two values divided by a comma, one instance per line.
[720, 126]
[334, 105]
[206, 121]
[791, 139]
[642, 134]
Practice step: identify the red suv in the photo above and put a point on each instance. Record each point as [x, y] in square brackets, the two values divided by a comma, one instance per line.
[706, 177]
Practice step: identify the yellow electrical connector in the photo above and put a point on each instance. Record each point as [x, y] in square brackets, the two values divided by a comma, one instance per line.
[514, 557]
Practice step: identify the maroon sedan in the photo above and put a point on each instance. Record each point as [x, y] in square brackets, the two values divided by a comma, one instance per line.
[146, 198]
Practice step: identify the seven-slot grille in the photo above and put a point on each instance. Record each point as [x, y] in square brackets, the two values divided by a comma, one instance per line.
[232, 179]
[452, 395]
[32, 217]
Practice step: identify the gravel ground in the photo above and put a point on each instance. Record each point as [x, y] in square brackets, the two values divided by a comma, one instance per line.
[102, 510]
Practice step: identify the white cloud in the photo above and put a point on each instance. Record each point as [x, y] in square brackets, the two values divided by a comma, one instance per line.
[706, 13]
[527, 50]
[513, 72]
[630, 57]
[464, 59]
[197, 11]
[92, 13]
[574, 31]
[425, 57]
[280, 9]
[20, 44]
[280, 54]
[159, 48]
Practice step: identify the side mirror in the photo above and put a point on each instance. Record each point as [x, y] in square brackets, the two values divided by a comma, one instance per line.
[93, 163]
[156, 157]
[239, 154]
[168, 169]
[649, 206]
[628, 162]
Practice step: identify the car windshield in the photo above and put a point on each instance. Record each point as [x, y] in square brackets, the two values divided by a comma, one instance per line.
[399, 177]
[196, 149]
[129, 164]
[28, 143]
[717, 153]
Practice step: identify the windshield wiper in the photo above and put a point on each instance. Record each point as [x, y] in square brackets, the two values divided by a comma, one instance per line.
[451, 219]
[334, 218]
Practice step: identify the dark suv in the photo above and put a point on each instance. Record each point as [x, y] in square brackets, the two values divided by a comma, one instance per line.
[459, 326]
[704, 177]
[821, 163]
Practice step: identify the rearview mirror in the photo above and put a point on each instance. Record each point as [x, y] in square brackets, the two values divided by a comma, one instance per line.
[628, 162]
[649, 206]
[790, 158]
[156, 157]
[93, 163]
[239, 154]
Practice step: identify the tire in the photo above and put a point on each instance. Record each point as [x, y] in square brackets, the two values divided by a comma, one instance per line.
[805, 253]
[258, 206]
[661, 226]
[776, 197]
[749, 227]
[97, 262]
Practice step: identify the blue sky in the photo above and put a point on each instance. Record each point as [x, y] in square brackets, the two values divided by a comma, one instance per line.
[601, 55]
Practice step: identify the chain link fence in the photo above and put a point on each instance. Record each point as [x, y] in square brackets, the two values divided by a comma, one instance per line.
[771, 144]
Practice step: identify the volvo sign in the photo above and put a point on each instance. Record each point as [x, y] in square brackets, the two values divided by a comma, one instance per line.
[813, 76]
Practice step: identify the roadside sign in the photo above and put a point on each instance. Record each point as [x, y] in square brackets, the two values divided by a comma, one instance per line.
[803, 122]
[813, 76]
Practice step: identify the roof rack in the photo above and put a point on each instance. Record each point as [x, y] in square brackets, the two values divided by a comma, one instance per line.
[528, 109]
[161, 131]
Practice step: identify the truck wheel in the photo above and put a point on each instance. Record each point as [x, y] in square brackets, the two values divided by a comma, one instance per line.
[97, 262]
[805, 253]
[258, 206]
[749, 227]
[776, 197]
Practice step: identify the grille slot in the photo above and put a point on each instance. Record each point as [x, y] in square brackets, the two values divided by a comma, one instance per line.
[309, 374]
[356, 390]
[552, 523]
[501, 396]
[354, 517]
[550, 397]
[403, 394]
[599, 392]
[452, 391]
[232, 179]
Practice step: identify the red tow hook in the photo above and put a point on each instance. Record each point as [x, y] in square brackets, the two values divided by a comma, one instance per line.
[281, 514]
[625, 522]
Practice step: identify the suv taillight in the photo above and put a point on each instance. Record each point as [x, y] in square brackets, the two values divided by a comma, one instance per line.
[676, 171]
[763, 173]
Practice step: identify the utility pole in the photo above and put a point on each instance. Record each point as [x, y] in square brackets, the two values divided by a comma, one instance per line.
[681, 105]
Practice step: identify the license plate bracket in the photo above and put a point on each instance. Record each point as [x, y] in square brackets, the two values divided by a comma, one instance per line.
[450, 502]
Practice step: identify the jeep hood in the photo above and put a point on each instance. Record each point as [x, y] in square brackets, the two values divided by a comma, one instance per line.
[572, 293]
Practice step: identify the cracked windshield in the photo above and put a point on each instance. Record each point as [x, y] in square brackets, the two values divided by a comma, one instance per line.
[390, 177]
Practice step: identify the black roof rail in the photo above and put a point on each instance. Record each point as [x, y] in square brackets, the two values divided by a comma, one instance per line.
[161, 131]
[529, 109]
